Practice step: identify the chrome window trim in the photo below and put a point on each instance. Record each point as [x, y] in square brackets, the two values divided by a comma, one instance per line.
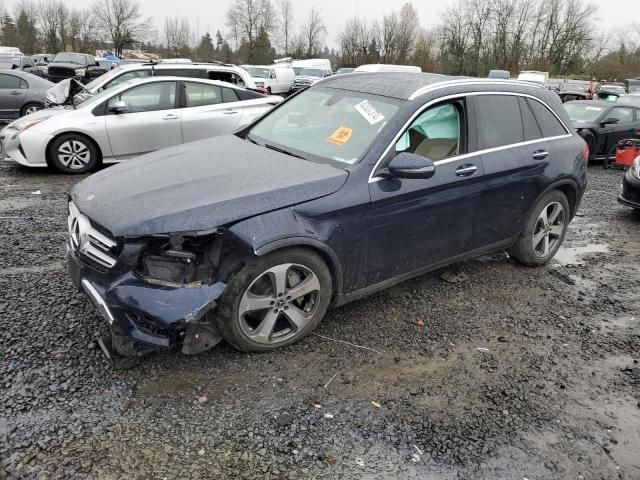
[373, 179]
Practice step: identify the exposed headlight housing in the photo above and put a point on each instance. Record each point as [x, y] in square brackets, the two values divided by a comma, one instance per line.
[45, 69]
[80, 72]
[635, 168]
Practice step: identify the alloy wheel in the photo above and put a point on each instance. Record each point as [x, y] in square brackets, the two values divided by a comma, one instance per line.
[549, 229]
[74, 154]
[32, 109]
[279, 303]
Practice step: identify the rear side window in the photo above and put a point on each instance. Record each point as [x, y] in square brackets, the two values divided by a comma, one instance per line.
[529, 123]
[201, 94]
[229, 95]
[128, 76]
[549, 124]
[499, 122]
[9, 81]
[248, 95]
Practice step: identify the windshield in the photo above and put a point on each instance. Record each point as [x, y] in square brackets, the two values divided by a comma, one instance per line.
[583, 112]
[258, 72]
[310, 72]
[613, 89]
[97, 98]
[69, 58]
[323, 124]
[634, 88]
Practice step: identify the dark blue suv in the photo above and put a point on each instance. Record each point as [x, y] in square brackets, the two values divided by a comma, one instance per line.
[355, 184]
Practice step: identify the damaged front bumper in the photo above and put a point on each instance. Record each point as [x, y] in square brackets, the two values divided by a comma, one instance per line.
[151, 315]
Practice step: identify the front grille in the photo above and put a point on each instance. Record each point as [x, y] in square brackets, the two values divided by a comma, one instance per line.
[87, 242]
[61, 71]
[302, 83]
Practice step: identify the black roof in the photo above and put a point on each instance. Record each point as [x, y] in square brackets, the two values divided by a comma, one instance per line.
[399, 85]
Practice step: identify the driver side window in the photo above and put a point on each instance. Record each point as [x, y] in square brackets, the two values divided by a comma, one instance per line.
[624, 115]
[435, 134]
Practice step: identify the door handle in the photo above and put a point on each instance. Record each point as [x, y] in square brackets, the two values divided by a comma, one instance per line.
[230, 112]
[170, 116]
[540, 154]
[466, 170]
[15, 92]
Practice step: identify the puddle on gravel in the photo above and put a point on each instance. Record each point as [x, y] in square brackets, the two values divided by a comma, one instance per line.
[573, 255]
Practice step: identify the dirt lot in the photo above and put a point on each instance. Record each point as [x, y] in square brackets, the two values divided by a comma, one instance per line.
[555, 395]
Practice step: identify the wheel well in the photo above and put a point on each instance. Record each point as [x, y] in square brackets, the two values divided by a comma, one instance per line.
[93, 142]
[571, 194]
[330, 259]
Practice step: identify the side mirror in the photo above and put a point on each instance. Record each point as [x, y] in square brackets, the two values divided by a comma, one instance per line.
[97, 64]
[409, 165]
[610, 121]
[118, 107]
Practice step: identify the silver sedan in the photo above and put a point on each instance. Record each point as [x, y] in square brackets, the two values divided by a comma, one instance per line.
[136, 117]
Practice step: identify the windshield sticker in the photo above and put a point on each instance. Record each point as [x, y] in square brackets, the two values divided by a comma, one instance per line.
[369, 112]
[341, 136]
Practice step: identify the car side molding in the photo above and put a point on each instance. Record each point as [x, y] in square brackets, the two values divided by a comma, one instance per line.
[327, 252]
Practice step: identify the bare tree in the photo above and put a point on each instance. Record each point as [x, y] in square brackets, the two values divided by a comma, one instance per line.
[121, 22]
[80, 30]
[52, 13]
[313, 31]
[246, 19]
[355, 39]
[177, 33]
[285, 23]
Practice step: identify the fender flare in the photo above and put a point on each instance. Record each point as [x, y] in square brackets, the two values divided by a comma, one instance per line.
[325, 251]
[557, 185]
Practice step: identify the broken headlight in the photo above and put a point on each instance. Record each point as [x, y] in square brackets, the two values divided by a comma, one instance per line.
[181, 259]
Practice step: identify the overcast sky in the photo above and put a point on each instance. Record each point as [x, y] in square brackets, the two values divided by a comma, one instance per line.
[209, 15]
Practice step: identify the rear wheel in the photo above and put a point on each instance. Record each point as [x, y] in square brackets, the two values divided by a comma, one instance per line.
[32, 107]
[275, 300]
[73, 153]
[544, 230]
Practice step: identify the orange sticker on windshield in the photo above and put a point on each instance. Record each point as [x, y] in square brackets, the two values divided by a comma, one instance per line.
[341, 136]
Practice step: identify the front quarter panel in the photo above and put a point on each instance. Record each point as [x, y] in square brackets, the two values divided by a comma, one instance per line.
[338, 222]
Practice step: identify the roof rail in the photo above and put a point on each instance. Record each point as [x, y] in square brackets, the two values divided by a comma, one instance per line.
[469, 81]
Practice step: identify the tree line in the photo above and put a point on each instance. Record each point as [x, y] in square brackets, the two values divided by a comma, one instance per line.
[471, 37]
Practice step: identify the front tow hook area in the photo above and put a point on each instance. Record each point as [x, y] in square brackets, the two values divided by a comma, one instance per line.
[118, 361]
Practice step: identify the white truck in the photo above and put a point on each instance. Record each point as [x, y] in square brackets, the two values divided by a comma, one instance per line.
[533, 76]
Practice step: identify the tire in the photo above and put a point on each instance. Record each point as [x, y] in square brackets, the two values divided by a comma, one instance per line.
[283, 320]
[73, 153]
[539, 240]
[269, 90]
[30, 108]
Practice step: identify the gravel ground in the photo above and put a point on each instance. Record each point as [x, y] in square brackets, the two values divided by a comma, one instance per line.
[555, 395]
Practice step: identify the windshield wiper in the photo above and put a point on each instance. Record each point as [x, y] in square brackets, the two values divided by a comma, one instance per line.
[282, 150]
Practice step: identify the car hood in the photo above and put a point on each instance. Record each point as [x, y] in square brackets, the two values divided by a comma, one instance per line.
[305, 78]
[199, 186]
[579, 124]
[74, 66]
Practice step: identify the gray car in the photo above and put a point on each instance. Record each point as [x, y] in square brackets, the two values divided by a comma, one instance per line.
[21, 93]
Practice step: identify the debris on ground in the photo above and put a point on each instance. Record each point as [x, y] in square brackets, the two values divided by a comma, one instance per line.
[359, 462]
[376, 404]
[420, 322]
[482, 350]
[37, 192]
[454, 275]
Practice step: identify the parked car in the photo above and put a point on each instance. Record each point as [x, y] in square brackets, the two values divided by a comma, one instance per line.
[274, 78]
[212, 71]
[602, 124]
[136, 117]
[632, 85]
[343, 71]
[17, 62]
[501, 74]
[101, 67]
[608, 91]
[21, 93]
[299, 65]
[630, 195]
[69, 65]
[568, 91]
[535, 77]
[308, 77]
[40, 61]
[353, 185]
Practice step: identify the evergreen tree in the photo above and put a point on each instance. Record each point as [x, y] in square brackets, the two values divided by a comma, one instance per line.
[206, 51]
[9, 31]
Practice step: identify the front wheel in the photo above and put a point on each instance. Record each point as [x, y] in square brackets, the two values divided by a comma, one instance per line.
[73, 153]
[275, 300]
[544, 230]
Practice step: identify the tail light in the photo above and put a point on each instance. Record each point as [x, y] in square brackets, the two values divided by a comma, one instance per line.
[585, 153]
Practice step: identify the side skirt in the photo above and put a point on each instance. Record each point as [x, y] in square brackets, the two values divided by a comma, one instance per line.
[344, 298]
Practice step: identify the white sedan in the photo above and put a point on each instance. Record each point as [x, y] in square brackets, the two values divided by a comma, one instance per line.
[134, 118]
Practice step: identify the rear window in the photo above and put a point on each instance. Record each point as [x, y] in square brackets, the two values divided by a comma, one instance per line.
[180, 72]
[549, 124]
[529, 124]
